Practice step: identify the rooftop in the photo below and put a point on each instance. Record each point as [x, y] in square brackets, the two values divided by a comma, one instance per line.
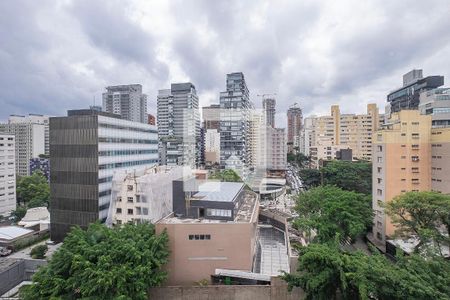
[218, 191]
[12, 232]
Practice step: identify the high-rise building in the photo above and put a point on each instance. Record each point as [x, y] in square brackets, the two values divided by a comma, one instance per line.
[401, 163]
[211, 116]
[7, 174]
[440, 159]
[179, 125]
[269, 111]
[127, 101]
[151, 119]
[408, 96]
[436, 102]
[31, 136]
[307, 135]
[294, 126]
[234, 125]
[86, 148]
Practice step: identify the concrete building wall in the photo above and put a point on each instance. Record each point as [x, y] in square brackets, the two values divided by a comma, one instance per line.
[440, 160]
[7, 174]
[401, 163]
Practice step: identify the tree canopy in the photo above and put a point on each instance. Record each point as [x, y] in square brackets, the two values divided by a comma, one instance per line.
[300, 159]
[226, 175]
[326, 271]
[330, 210]
[423, 214]
[103, 263]
[350, 176]
[34, 190]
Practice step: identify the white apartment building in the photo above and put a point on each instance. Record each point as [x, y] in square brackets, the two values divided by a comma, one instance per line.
[127, 101]
[143, 195]
[179, 125]
[7, 174]
[32, 139]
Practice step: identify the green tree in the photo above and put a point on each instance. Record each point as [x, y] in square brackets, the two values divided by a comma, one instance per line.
[327, 272]
[350, 176]
[33, 189]
[19, 213]
[226, 175]
[310, 177]
[39, 251]
[423, 214]
[329, 210]
[103, 263]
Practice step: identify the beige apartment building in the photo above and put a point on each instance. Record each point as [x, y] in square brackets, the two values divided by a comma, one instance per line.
[440, 160]
[402, 159]
[327, 134]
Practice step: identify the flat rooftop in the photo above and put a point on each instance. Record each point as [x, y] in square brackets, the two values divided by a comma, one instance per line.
[218, 191]
[248, 209]
[9, 233]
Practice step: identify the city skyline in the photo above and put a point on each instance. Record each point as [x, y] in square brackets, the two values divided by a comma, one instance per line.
[306, 63]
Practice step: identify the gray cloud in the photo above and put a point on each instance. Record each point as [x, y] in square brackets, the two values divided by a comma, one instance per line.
[318, 53]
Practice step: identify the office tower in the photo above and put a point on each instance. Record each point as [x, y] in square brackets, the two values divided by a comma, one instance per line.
[211, 116]
[408, 96]
[42, 164]
[294, 126]
[234, 125]
[212, 147]
[401, 163]
[278, 149]
[31, 136]
[269, 111]
[127, 101]
[436, 102]
[7, 174]
[179, 125]
[86, 148]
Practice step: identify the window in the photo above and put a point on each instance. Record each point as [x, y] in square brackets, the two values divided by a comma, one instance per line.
[212, 212]
[119, 199]
[379, 236]
[403, 157]
[130, 188]
[379, 169]
[379, 159]
[130, 211]
[415, 158]
[415, 135]
[130, 199]
[379, 192]
[379, 180]
[118, 210]
[379, 148]
[379, 224]
[199, 237]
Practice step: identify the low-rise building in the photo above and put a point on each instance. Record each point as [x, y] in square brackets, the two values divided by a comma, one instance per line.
[214, 226]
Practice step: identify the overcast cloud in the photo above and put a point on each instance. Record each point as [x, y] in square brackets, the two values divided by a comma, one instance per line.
[59, 55]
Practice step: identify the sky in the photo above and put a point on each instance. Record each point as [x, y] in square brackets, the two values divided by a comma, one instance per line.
[59, 55]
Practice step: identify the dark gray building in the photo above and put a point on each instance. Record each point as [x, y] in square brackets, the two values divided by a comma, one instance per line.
[86, 148]
[408, 96]
[235, 125]
[269, 111]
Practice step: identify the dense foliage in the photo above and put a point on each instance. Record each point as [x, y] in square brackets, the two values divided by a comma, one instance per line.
[423, 214]
[350, 176]
[299, 159]
[226, 175]
[34, 190]
[103, 263]
[39, 251]
[329, 210]
[326, 272]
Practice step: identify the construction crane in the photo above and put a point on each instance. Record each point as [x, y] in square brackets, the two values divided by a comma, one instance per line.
[264, 95]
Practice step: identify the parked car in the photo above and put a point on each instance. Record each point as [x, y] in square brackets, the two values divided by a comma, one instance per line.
[5, 251]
